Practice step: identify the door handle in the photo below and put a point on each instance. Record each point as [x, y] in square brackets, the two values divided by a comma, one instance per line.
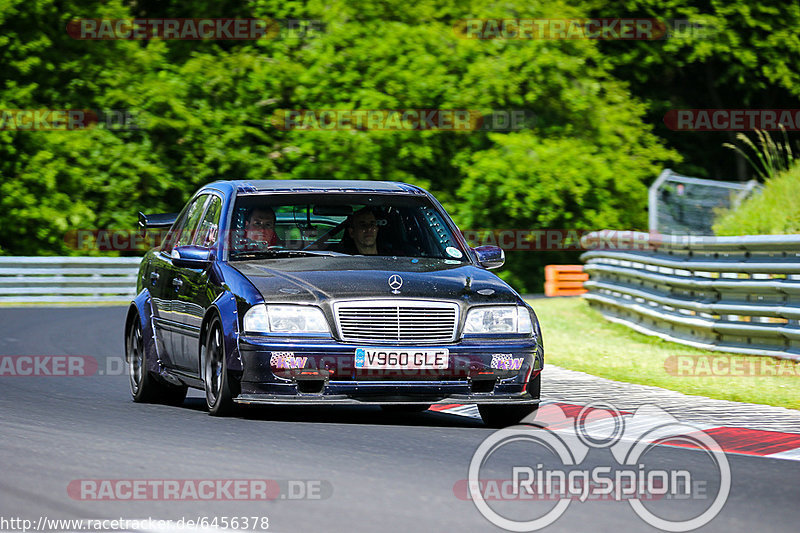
[154, 277]
[178, 283]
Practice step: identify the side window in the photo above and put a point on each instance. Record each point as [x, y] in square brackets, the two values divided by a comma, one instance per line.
[209, 227]
[185, 229]
[169, 241]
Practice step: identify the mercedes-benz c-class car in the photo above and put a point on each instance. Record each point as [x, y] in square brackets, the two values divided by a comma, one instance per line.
[296, 292]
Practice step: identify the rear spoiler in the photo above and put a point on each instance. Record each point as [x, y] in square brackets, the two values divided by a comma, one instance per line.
[158, 220]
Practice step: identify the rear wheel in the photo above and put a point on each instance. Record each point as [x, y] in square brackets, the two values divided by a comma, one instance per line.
[145, 388]
[500, 416]
[219, 384]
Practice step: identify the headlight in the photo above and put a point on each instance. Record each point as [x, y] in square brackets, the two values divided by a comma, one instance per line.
[499, 319]
[263, 318]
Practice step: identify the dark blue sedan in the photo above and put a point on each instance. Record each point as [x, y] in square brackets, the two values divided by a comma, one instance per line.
[328, 293]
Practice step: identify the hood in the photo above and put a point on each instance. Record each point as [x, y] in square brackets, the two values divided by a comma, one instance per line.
[319, 278]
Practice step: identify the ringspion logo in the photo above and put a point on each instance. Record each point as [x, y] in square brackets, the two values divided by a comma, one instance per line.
[527, 468]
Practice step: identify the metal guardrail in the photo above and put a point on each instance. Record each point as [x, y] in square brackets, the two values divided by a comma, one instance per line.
[67, 279]
[734, 294]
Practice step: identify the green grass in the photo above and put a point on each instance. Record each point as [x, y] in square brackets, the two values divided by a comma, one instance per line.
[578, 338]
[773, 211]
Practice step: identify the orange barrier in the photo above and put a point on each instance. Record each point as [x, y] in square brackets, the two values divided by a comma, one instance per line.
[564, 280]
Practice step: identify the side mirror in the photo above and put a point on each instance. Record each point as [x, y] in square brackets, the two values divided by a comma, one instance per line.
[490, 257]
[192, 256]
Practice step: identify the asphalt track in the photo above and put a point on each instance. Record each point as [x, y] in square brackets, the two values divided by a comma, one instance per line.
[382, 472]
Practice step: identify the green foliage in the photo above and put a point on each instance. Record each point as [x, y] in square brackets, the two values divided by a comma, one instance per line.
[54, 181]
[773, 211]
[739, 55]
[205, 109]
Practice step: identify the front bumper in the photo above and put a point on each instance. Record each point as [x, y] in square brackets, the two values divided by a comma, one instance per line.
[328, 374]
[341, 399]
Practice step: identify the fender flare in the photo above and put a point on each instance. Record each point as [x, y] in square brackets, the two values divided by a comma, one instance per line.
[141, 306]
[226, 308]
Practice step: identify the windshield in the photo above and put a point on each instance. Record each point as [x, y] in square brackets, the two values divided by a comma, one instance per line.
[271, 226]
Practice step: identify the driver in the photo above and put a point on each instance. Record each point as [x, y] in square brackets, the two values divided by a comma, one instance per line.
[259, 227]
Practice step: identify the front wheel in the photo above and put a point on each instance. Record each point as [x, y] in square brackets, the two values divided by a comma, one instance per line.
[144, 387]
[217, 380]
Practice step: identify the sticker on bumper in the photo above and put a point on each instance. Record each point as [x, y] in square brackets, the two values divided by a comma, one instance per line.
[287, 360]
[505, 361]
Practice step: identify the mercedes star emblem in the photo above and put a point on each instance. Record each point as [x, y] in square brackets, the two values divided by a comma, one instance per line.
[395, 282]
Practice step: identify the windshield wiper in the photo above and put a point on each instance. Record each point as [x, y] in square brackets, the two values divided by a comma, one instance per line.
[281, 252]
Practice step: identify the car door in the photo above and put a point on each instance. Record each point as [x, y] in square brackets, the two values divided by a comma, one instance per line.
[194, 294]
[171, 307]
[157, 282]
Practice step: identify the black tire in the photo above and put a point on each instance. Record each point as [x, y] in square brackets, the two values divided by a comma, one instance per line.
[500, 416]
[405, 408]
[146, 388]
[220, 386]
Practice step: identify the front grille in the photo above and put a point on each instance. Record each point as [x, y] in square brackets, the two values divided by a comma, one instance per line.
[398, 321]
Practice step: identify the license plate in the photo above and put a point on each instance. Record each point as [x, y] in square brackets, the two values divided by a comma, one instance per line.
[402, 358]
